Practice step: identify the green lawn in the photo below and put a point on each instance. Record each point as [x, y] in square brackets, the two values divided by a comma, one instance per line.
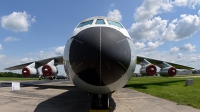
[15, 79]
[171, 88]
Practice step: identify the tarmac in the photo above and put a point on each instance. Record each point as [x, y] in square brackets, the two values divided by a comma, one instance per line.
[63, 96]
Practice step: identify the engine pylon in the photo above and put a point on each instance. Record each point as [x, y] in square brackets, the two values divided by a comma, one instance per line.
[147, 68]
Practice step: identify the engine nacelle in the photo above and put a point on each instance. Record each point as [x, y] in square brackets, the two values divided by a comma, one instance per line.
[28, 71]
[168, 71]
[49, 70]
[148, 70]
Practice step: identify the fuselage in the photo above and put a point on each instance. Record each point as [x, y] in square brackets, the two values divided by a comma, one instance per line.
[100, 56]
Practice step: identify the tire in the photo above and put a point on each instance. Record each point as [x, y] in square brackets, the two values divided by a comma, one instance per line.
[94, 102]
[105, 101]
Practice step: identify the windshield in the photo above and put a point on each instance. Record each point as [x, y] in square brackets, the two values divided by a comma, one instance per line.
[100, 21]
[115, 23]
[85, 23]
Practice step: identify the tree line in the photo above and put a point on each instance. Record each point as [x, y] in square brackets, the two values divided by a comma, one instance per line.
[10, 74]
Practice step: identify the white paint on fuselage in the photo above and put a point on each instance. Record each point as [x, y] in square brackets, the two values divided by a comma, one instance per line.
[99, 89]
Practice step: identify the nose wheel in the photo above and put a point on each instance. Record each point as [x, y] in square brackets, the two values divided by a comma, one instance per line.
[100, 101]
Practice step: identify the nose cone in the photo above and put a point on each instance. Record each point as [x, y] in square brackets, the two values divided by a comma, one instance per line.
[100, 55]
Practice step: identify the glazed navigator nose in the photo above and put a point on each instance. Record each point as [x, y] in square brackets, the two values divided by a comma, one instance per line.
[99, 55]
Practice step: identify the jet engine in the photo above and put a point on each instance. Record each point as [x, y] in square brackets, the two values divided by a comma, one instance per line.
[49, 70]
[168, 71]
[28, 71]
[148, 70]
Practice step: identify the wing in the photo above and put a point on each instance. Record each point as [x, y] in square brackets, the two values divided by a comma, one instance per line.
[159, 63]
[58, 61]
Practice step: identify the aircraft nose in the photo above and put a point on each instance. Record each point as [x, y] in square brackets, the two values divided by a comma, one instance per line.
[99, 55]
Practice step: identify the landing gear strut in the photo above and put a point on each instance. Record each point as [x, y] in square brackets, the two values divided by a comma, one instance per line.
[100, 101]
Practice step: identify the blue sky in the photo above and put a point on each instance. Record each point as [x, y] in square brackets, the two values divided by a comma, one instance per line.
[161, 29]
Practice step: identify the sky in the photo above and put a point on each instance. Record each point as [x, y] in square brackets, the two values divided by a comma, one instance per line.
[161, 29]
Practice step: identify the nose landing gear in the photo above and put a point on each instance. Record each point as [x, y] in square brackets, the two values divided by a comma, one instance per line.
[100, 102]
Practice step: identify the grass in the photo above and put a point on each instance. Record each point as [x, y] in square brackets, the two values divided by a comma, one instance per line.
[171, 88]
[16, 79]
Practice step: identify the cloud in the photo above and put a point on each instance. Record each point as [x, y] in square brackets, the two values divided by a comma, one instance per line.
[150, 8]
[180, 55]
[188, 25]
[189, 3]
[41, 54]
[139, 46]
[59, 50]
[0, 47]
[115, 14]
[173, 50]
[199, 12]
[181, 29]
[2, 56]
[157, 29]
[9, 39]
[112, 5]
[185, 47]
[33, 19]
[25, 60]
[149, 30]
[153, 45]
[193, 59]
[17, 21]
[188, 47]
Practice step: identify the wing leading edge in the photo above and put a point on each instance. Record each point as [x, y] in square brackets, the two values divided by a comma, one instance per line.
[39, 63]
[159, 62]
[59, 61]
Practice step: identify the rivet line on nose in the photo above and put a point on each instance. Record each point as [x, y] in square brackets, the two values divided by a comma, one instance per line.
[100, 57]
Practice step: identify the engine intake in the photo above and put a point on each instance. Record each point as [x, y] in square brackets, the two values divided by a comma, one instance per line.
[27, 71]
[49, 70]
[168, 71]
[148, 70]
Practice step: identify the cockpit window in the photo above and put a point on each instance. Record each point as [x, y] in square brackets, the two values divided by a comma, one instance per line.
[100, 21]
[115, 23]
[85, 23]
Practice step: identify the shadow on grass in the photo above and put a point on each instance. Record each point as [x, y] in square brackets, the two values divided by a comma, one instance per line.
[144, 86]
